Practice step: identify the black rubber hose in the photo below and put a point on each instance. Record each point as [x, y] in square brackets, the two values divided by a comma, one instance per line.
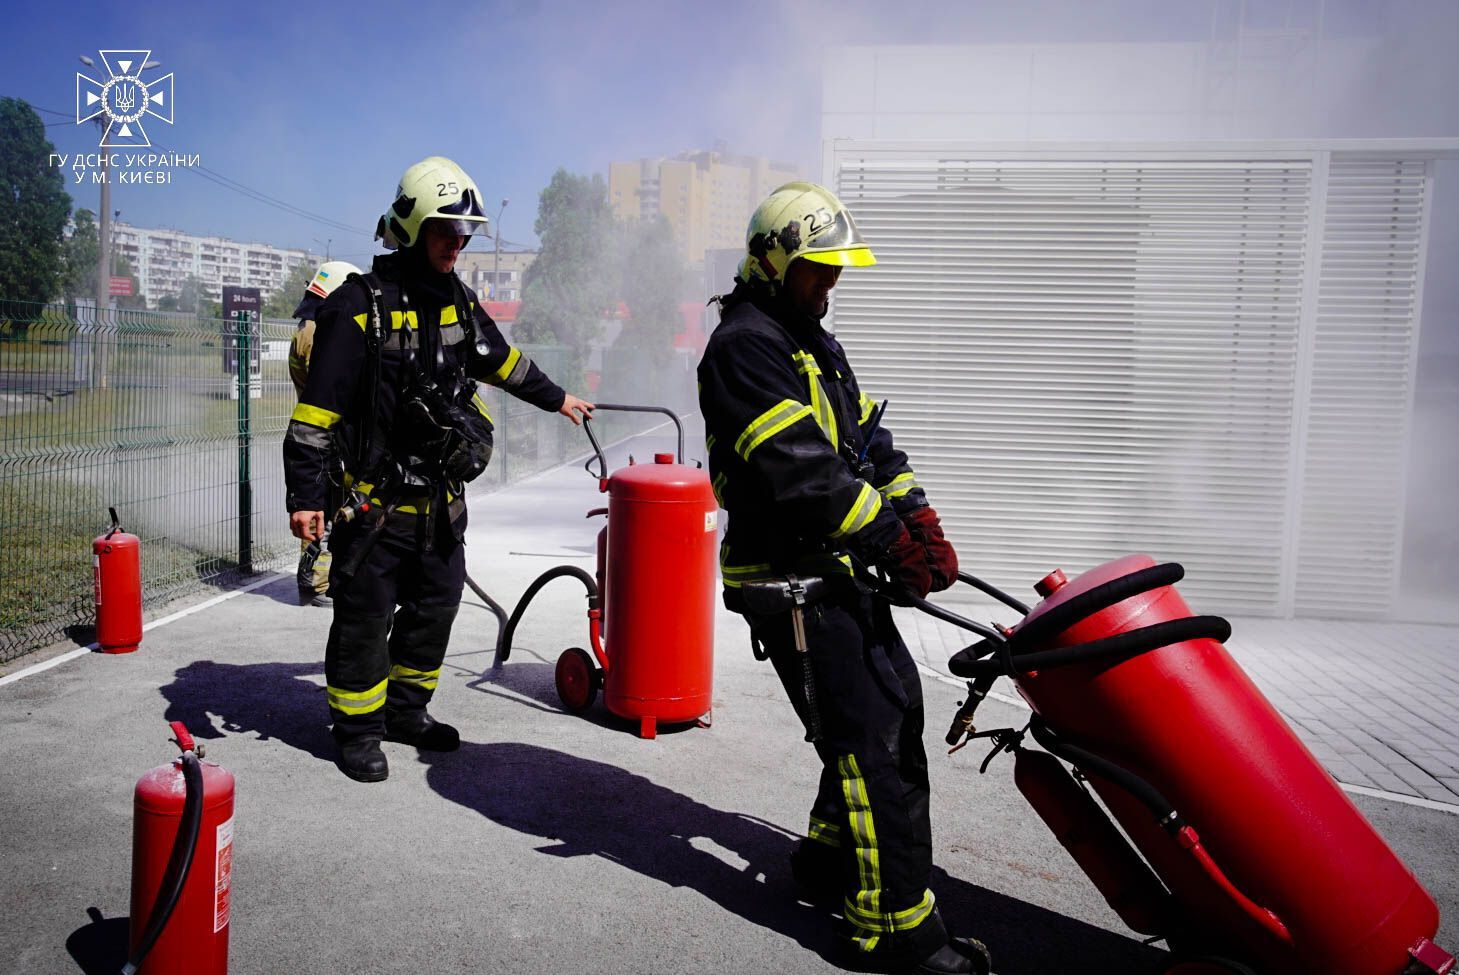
[949, 616]
[1065, 615]
[1091, 763]
[993, 591]
[179, 863]
[1127, 644]
[505, 648]
[494, 606]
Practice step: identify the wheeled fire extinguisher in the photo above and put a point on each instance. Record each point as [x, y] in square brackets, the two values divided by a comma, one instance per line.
[116, 563]
[182, 866]
[651, 604]
[1242, 851]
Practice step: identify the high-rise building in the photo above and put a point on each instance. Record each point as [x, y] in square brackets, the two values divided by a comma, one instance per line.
[495, 278]
[707, 196]
[163, 259]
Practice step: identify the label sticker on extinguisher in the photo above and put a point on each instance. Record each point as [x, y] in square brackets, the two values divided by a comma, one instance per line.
[223, 877]
[711, 521]
[96, 576]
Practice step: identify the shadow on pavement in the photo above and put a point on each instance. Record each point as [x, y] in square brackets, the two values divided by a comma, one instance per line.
[587, 808]
[531, 684]
[275, 700]
[100, 948]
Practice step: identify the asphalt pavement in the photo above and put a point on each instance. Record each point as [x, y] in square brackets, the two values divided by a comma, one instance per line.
[550, 842]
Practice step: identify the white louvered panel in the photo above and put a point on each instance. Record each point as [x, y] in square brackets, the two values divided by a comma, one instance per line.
[1087, 359]
[1362, 382]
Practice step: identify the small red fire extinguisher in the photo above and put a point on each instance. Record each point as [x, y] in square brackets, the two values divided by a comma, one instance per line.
[116, 562]
[182, 866]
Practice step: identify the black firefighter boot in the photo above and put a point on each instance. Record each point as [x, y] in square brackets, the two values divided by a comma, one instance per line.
[361, 759]
[958, 956]
[418, 728]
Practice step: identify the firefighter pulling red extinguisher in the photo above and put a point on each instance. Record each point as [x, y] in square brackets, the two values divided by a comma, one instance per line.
[116, 564]
[1246, 855]
[182, 866]
[653, 593]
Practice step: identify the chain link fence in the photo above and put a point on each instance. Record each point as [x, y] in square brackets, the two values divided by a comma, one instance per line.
[149, 413]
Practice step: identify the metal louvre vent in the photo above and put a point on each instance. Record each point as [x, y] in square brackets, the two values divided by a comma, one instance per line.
[1361, 387]
[1089, 358]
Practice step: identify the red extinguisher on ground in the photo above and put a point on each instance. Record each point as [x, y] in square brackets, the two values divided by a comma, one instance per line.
[116, 562]
[182, 866]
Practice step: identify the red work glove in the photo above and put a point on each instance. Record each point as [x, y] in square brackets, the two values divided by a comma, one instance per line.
[926, 529]
[906, 561]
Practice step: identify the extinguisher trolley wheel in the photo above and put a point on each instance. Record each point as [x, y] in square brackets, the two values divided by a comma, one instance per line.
[577, 679]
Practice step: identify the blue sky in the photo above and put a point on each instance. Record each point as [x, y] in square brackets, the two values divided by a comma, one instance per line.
[324, 105]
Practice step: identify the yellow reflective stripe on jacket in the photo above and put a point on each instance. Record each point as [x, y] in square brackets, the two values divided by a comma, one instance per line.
[397, 318]
[357, 702]
[823, 832]
[820, 403]
[426, 679]
[863, 837]
[899, 485]
[735, 576]
[506, 368]
[315, 416]
[768, 424]
[717, 486]
[449, 316]
[889, 923]
[868, 406]
[867, 504]
[480, 405]
[362, 320]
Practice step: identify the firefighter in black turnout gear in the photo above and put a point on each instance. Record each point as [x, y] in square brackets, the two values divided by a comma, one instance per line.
[391, 392]
[814, 489]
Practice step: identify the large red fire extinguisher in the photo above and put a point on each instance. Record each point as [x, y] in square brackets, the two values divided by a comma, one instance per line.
[182, 866]
[653, 593]
[116, 563]
[1261, 858]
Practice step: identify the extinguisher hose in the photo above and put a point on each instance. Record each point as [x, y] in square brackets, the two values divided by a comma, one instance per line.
[1169, 820]
[1042, 628]
[178, 863]
[556, 571]
[1119, 647]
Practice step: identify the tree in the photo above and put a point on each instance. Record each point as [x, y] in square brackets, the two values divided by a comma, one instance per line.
[33, 207]
[285, 298]
[81, 252]
[573, 281]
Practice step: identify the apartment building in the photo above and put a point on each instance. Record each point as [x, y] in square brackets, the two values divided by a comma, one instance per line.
[163, 259]
[493, 277]
[707, 196]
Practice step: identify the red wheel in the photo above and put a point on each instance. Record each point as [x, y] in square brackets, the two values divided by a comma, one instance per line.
[577, 680]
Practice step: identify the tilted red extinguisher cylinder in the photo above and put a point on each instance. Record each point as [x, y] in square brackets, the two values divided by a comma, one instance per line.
[116, 562]
[195, 938]
[1085, 831]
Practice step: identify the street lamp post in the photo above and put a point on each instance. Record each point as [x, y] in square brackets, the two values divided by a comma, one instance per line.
[327, 244]
[103, 230]
[496, 266]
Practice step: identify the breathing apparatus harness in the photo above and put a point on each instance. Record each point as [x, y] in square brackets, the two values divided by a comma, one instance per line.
[439, 438]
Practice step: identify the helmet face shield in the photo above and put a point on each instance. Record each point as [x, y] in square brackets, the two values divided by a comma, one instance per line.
[461, 228]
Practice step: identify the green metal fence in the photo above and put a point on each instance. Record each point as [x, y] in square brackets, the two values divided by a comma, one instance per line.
[149, 413]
